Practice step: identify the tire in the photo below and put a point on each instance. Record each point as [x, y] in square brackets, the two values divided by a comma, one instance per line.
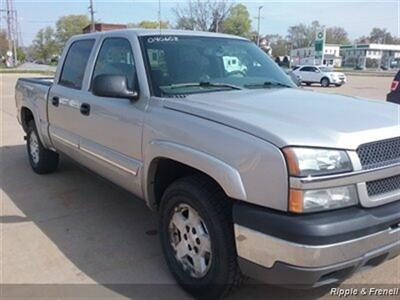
[42, 160]
[308, 83]
[325, 82]
[338, 85]
[201, 196]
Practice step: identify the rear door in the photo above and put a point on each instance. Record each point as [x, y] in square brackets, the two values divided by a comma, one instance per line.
[65, 97]
[306, 74]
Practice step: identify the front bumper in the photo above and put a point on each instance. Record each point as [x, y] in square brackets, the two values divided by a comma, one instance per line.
[316, 249]
[338, 80]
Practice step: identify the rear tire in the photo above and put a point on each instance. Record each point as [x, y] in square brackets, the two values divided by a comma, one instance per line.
[325, 82]
[204, 200]
[42, 160]
[308, 83]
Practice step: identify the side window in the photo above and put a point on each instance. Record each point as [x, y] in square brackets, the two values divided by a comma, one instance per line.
[116, 58]
[75, 63]
[306, 69]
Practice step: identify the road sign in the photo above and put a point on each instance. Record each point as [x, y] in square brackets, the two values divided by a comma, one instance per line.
[319, 44]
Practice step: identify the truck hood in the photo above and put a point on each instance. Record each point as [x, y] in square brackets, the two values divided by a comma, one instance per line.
[289, 116]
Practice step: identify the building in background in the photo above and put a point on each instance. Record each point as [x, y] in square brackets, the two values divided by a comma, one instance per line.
[371, 55]
[104, 27]
[306, 56]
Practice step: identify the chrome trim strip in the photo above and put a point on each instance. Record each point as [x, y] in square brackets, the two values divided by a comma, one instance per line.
[265, 250]
[328, 181]
[133, 172]
[65, 141]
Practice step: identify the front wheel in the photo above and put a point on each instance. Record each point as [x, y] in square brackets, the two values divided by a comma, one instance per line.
[325, 82]
[338, 85]
[197, 237]
[42, 160]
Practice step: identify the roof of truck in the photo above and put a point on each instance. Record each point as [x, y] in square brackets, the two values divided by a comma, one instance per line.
[164, 32]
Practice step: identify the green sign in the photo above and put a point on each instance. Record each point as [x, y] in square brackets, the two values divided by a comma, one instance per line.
[319, 44]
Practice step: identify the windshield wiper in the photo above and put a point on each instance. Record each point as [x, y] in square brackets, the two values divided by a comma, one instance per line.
[204, 84]
[267, 84]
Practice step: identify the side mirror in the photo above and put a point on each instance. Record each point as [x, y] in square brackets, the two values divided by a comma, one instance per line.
[114, 86]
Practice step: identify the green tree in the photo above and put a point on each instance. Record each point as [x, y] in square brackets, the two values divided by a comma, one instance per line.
[21, 56]
[3, 43]
[279, 45]
[68, 26]
[204, 15]
[238, 21]
[298, 36]
[149, 24]
[381, 36]
[337, 35]
[45, 45]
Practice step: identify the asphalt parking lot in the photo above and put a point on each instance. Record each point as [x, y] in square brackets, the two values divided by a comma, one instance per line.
[72, 227]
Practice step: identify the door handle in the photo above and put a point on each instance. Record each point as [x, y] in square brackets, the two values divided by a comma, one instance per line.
[85, 109]
[55, 101]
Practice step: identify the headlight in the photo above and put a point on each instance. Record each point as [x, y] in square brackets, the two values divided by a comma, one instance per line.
[304, 162]
[324, 199]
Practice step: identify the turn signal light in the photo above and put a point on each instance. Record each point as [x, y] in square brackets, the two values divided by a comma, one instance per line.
[296, 201]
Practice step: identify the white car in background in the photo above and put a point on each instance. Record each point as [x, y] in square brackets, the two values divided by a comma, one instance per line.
[320, 74]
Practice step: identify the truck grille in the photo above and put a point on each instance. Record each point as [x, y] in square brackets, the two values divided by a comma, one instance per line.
[383, 186]
[379, 154]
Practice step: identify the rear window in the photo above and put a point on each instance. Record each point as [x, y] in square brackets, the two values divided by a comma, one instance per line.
[75, 64]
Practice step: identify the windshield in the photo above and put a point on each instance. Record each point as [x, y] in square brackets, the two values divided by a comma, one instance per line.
[325, 69]
[187, 64]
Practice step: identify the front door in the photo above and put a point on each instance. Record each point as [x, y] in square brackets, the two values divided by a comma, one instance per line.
[110, 129]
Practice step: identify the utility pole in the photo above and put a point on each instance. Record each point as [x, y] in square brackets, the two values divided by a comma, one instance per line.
[258, 25]
[92, 25]
[12, 33]
[159, 15]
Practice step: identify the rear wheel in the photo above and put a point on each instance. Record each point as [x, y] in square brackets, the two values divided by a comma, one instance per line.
[41, 159]
[308, 83]
[197, 237]
[325, 82]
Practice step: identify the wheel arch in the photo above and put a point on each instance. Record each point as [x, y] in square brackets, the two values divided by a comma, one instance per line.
[168, 161]
[26, 116]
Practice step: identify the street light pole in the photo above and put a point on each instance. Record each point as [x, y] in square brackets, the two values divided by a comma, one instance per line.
[258, 25]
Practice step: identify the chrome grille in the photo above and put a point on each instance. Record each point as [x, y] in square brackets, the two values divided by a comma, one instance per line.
[379, 154]
[383, 186]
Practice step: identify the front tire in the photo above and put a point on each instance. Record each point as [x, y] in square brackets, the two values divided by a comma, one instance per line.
[197, 237]
[42, 160]
[325, 82]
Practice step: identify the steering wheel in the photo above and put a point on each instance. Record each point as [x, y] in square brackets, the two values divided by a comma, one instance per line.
[237, 72]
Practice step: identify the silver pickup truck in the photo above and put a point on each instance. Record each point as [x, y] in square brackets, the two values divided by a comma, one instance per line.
[250, 174]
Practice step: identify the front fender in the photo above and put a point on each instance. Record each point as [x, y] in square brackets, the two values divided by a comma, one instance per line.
[225, 175]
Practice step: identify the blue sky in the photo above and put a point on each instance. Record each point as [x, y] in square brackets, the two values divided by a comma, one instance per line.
[357, 17]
